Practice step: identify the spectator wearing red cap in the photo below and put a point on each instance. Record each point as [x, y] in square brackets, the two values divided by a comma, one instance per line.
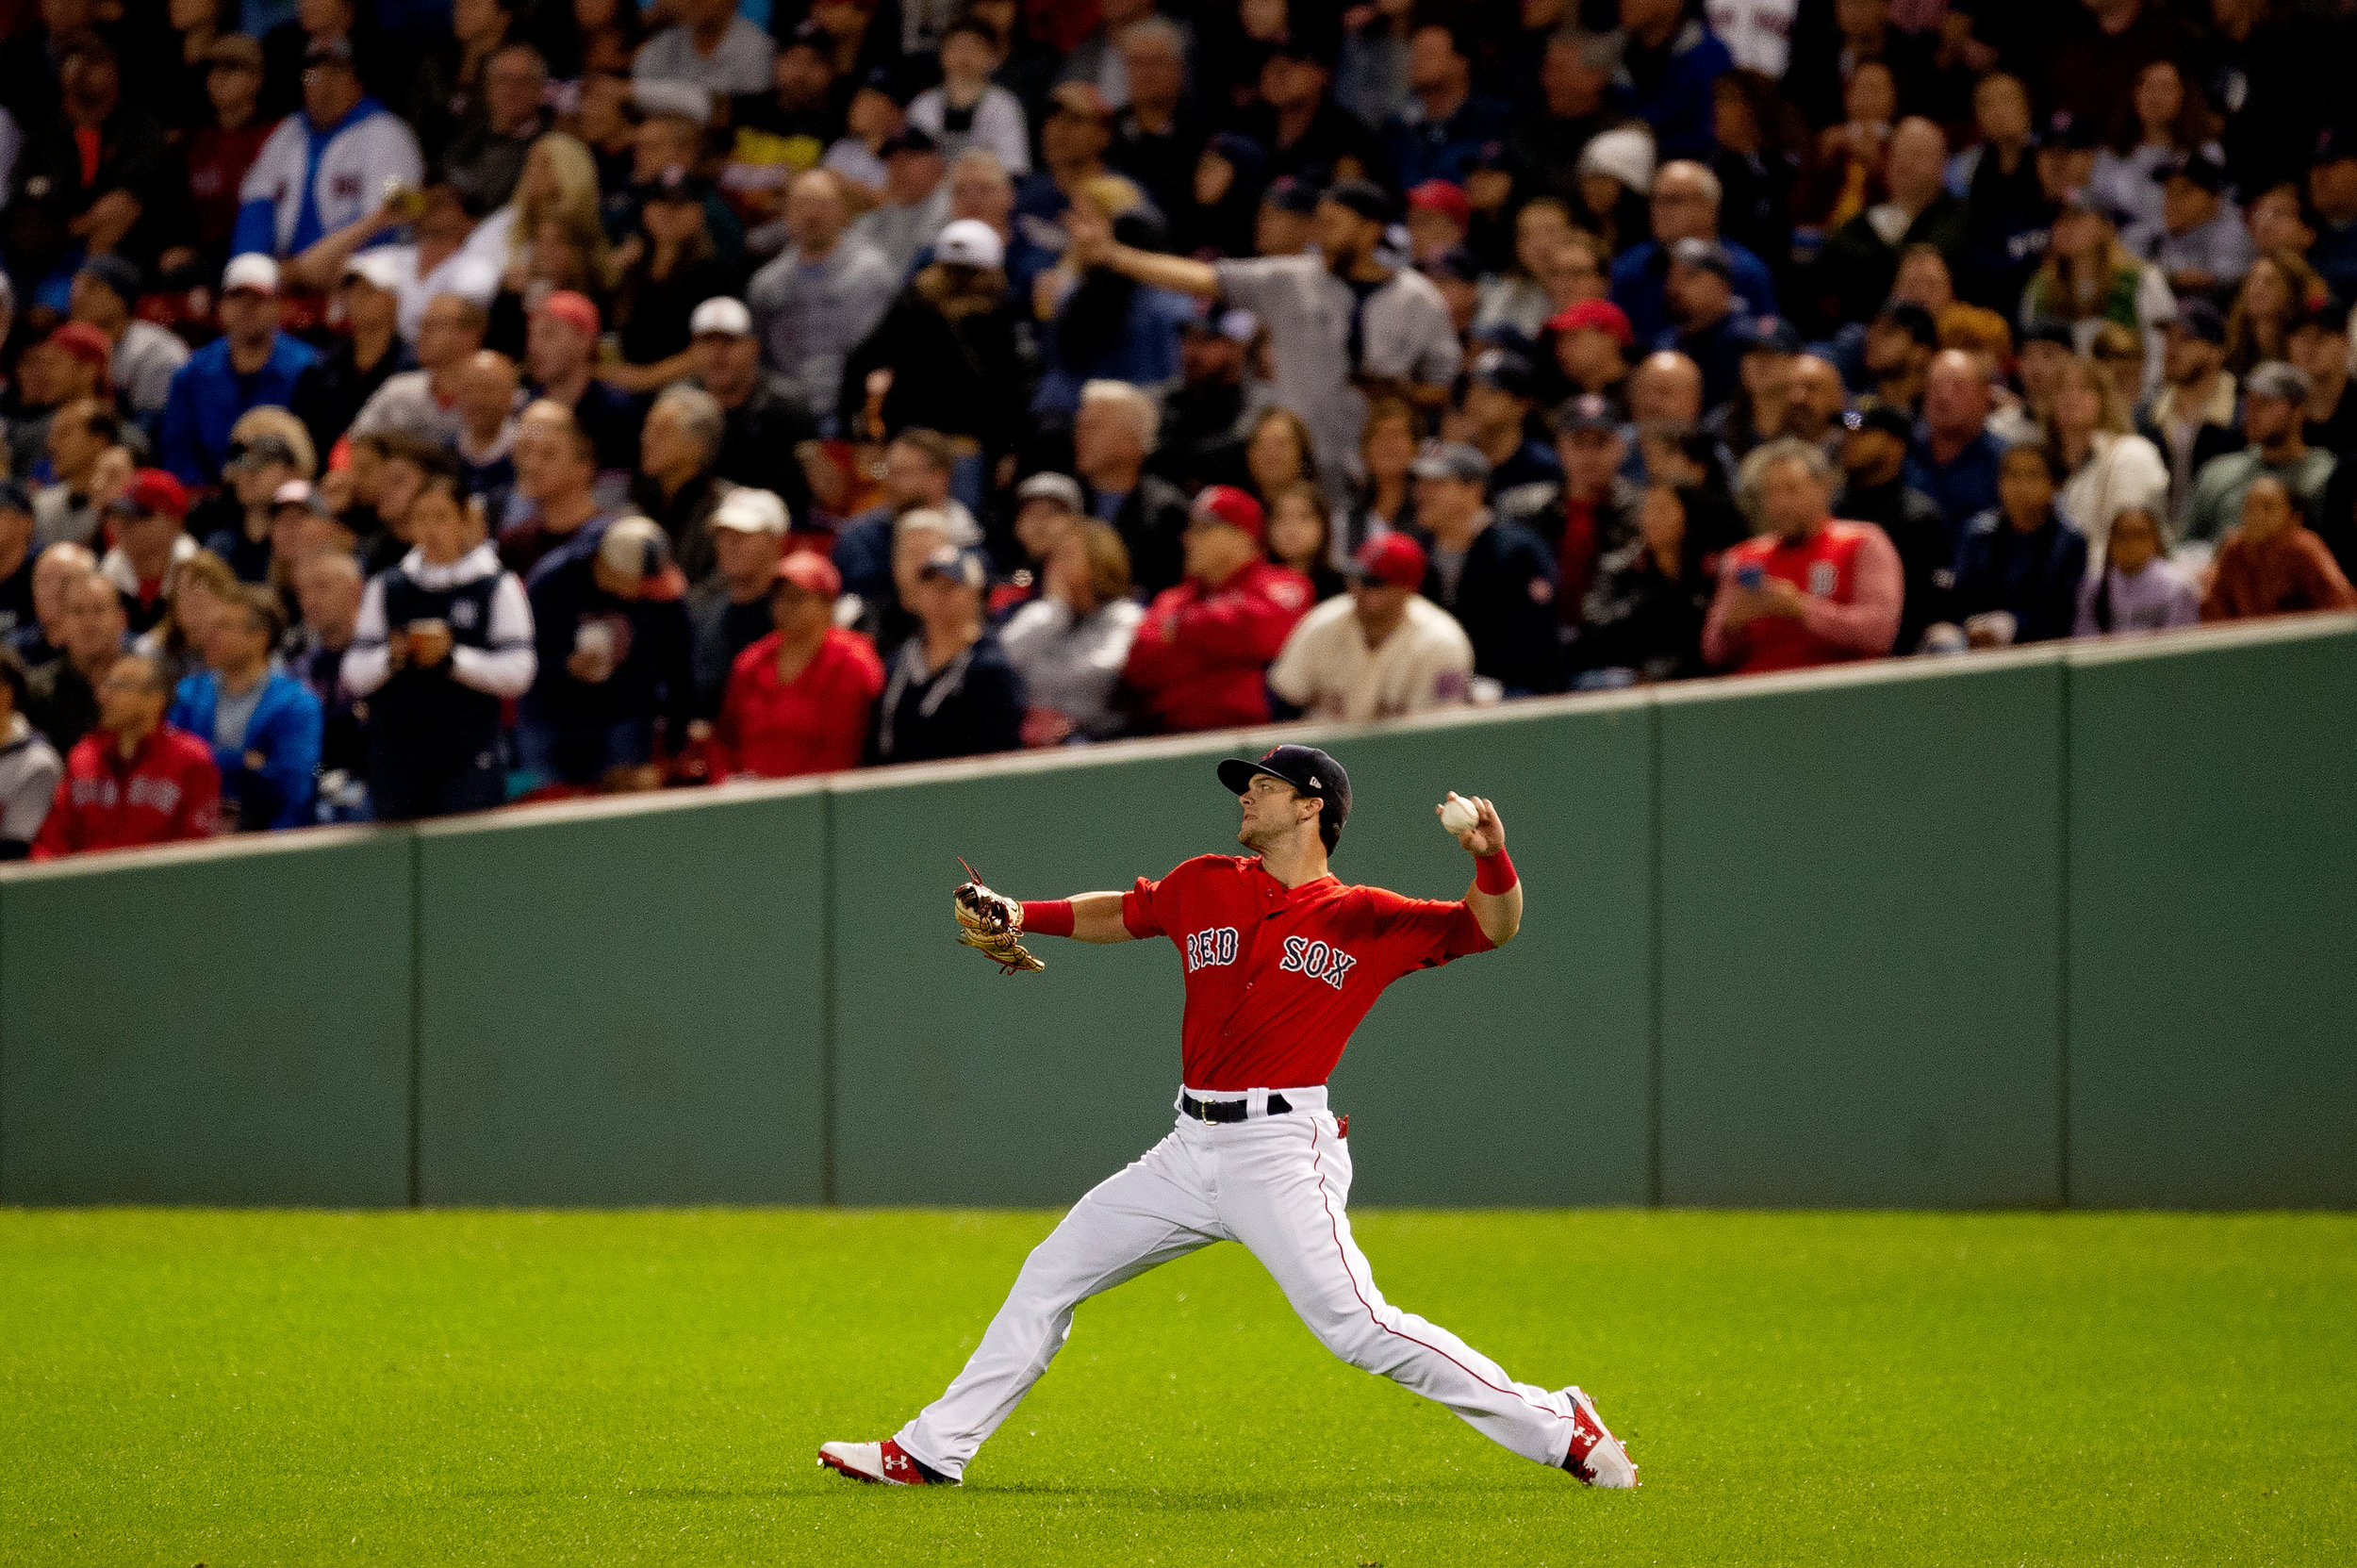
[65, 368]
[1384, 651]
[150, 541]
[1591, 341]
[1205, 645]
[135, 780]
[142, 357]
[252, 363]
[330, 393]
[1439, 215]
[83, 352]
[801, 698]
[561, 361]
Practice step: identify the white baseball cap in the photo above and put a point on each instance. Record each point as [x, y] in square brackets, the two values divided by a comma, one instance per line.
[379, 268]
[971, 242]
[723, 315]
[750, 511]
[253, 270]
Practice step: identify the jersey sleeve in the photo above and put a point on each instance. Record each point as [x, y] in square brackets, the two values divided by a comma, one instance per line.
[1425, 934]
[1137, 909]
[1151, 908]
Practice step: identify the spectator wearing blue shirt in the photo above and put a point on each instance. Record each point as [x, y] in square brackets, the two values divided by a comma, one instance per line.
[251, 364]
[1712, 330]
[2020, 565]
[264, 724]
[1955, 459]
[1685, 205]
[2332, 190]
[1445, 123]
[1668, 63]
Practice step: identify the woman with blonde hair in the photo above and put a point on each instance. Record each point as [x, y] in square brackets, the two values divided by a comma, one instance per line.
[1071, 643]
[559, 185]
[2280, 285]
[2108, 468]
[270, 419]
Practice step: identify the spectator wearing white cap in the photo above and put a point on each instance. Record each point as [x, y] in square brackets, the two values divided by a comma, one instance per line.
[330, 393]
[821, 296]
[614, 690]
[143, 358]
[946, 357]
[768, 433]
[729, 611]
[1382, 652]
[251, 364]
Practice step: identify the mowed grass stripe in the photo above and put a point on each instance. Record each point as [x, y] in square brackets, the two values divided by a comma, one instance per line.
[228, 1387]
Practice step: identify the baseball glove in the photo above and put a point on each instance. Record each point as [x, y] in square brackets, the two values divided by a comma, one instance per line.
[994, 923]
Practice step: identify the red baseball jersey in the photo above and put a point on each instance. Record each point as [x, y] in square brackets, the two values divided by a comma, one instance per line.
[1278, 977]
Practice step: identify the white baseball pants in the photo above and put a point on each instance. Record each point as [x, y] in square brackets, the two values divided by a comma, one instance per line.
[1278, 1184]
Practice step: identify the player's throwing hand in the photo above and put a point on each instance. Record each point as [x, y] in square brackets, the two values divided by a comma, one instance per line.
[1487, 837]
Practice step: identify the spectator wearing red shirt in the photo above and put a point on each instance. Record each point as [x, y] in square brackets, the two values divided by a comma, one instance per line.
[800, 699]
[135, 780]
[2272, 565]
[1202, 657]
[1810, 590]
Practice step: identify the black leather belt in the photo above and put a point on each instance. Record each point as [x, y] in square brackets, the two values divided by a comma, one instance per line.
[1227, 1110]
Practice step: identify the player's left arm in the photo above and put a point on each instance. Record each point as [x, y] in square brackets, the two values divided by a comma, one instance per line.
[1495, 897]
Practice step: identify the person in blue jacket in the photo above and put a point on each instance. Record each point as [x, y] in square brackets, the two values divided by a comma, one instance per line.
[264, 724]
[250, 365]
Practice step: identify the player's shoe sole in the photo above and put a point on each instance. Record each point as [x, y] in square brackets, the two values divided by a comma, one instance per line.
[878, 1463]
[1596, 1456]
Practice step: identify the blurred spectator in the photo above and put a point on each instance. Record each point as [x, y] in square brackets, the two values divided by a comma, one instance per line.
[669, 268]
[488, 390]
[2089, 278]
[29, 765]
[967, 108]
[711, 46]
[1897, 349]
[1113, 435]
[1707, 327]
[1808, 590]
[202, 587]
[1500, 396]
[488, 160]
[1613, 198]
[802, 698]
[330, 392]
[677, 486]
[918, 465]
[980, 188]
[2259, 325]
[1047, 508]
[2133, 586]
[1595, 513]
[40, 641]
[62, 699]
[947, 355]
[2332, 192]
[1754, 414]
[2272, 565]
[1199, 657]
[1072, 142]
[2020, 564]
[556, 469]
[1685, 205]
[1157, 133]
[1439, 216]
[1643, 621]
[1551, 131]
[16, 559]
[1516, 299]
[425, 401]
[1591, 343]
[2275, 396]
[2003, 194]
[1495, 576]
[915, 200]
[2199, 243]
[325, 168]
[767, 432]
[102, 165]
[730, 610]
[1874, 490]
[1382, 652]
[1385, 495]
[2107, 466]
[142, 357]
[1342, 322]
[2166, 125]
[1860, 261]
[950, 692]
[246, 541]
[79, 434]
[1668, 63]
[1301, 535]
[441, 641]
[223, 143]
[1279, 453]
[328, 587]
[1071, 642]
[135, 780]
[264, 723]
[1099, 323]
[560, 357]
[614, 691]
[2192, 417]
[250, 365]
[821, 297]
[2318, 344]
[150, 542]
[549, 238]
[1954, 457]
[1207, 415]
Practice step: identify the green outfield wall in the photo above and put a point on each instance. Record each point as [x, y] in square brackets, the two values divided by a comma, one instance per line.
[2064, 926]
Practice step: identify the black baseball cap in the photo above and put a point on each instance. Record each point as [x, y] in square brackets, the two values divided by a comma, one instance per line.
[1913, 319]
[1889, 418]
[2329, 314]
[2071, 132]
[2198, 318]
[2199, 166]
[1308, 770]
[1289, 193]
[2051, 329]
[1364, 197]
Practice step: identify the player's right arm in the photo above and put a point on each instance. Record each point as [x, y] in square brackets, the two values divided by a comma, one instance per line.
[1105, 919]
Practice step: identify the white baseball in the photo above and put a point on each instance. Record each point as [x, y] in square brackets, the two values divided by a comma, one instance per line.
[1459, 815]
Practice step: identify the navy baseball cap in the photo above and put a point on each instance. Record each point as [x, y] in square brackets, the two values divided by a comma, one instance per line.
[1889, 418]
[2051, 329]
[1288, 193]
[1307, 769]
[2195, 318]
[1767, 335]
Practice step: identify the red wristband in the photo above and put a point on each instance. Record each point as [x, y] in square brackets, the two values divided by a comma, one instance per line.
[1047, 917]
[1495, 873]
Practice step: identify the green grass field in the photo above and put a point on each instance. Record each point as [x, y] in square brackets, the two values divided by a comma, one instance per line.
[233, 1388]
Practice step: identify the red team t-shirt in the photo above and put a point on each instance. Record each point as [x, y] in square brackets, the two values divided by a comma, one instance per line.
[1278, 977]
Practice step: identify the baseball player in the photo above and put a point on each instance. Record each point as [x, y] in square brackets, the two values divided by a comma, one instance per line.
[1282, 960]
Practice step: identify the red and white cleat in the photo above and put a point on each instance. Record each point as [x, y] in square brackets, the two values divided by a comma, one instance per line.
[885, 1462]
[1596, 1456]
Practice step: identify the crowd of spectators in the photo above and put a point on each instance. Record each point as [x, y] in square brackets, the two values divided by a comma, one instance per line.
[410, 407]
